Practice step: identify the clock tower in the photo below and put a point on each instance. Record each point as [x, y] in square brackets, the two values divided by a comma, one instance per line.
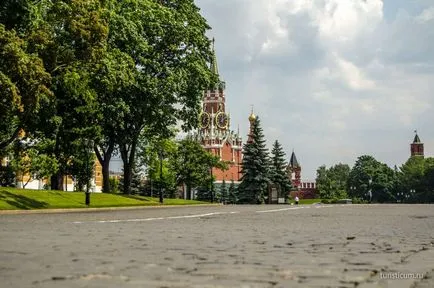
[214, 129]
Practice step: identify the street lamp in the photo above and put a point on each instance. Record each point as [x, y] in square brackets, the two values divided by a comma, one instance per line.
[87, 146]
[412, 192]
[353, 190]
[211, 185]
[370, 190]
[160, 156]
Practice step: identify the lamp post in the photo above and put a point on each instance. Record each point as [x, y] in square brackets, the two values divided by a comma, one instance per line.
[160, 156]
[352, 190]
[370, 190]
[411, 195]
[211, 185]
[87, 145]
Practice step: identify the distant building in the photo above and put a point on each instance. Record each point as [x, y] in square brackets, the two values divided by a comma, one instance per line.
[24, 180]
[416, 148]
[304, 189]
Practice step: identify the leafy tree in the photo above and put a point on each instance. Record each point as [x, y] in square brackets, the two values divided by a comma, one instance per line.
[415, 178]
[149, 156]
[332, 183]
[29, 160]
[192, 165]
[7, 176]
[370, 175]
[255, 174]
[278, 174]
[69, 37]
[428, 194]
[23, 84]
[170, 51]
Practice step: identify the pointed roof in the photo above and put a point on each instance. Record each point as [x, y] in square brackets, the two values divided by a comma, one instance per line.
[416, 138]
[293, 161]
[214, 66]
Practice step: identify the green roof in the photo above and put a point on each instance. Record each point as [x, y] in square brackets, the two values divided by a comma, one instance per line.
[293, 162]
[416, 139]
[214, 67]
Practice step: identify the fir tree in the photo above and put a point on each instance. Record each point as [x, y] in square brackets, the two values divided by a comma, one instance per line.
[278, 168]
[223, 195]
[232, 193]
[137, 185]
[255, 178]
[203, 194]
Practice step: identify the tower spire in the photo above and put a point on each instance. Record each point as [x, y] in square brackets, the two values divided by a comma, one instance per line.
[214, 67]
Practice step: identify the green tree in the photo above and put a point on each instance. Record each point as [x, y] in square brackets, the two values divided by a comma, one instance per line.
[149, 157]
[30, 161]
[232, 193]
[278, 174]
[415, 179]
[192, 165]
[69, 37]
[170, 50]
[24, 84]
[255, 172]
[223, 193]
[332, 183]
[371, 176]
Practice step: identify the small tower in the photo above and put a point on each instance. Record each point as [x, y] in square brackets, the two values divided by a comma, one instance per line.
[294, 171]
[416, 148]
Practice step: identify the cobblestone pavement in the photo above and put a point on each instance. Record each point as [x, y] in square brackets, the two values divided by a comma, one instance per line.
[225, 246]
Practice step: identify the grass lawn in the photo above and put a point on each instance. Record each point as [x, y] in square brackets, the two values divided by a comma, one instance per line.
[12, 198]
[307, 201]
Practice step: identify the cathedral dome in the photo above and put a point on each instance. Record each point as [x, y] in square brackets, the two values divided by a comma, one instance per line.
[252, 117]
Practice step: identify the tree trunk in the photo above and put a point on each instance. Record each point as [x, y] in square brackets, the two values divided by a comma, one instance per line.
[128, 157]
[127, 179]
[105, 163]
[106, 177]
[57, 181]
[188, 191]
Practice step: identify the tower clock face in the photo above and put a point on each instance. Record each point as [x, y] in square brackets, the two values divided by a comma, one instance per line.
[204, 120]
[222, 120]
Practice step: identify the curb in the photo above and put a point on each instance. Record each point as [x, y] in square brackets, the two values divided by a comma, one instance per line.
[102, 209]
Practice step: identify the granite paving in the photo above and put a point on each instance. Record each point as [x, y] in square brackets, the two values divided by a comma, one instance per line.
[221, 246]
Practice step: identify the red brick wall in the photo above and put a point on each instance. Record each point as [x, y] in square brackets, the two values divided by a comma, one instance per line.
[234, 168]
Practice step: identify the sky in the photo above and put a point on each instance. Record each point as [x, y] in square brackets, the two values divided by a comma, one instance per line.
[330, 79]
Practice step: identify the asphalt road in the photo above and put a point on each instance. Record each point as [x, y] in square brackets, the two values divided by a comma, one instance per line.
[222, 246]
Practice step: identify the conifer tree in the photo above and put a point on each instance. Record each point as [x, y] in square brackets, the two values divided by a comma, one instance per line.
[278, 168]
[137, 186]
[232, 193]
[255, 178]
[223, 195]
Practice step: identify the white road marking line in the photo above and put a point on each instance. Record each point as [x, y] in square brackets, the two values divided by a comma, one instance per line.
[283, 209]
[153, 219]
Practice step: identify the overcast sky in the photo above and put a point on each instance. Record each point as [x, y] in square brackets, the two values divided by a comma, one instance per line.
[331, 79]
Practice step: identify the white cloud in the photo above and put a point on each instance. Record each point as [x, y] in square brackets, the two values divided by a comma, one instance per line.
[353, 75]
[426, 15]
[330, 78]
